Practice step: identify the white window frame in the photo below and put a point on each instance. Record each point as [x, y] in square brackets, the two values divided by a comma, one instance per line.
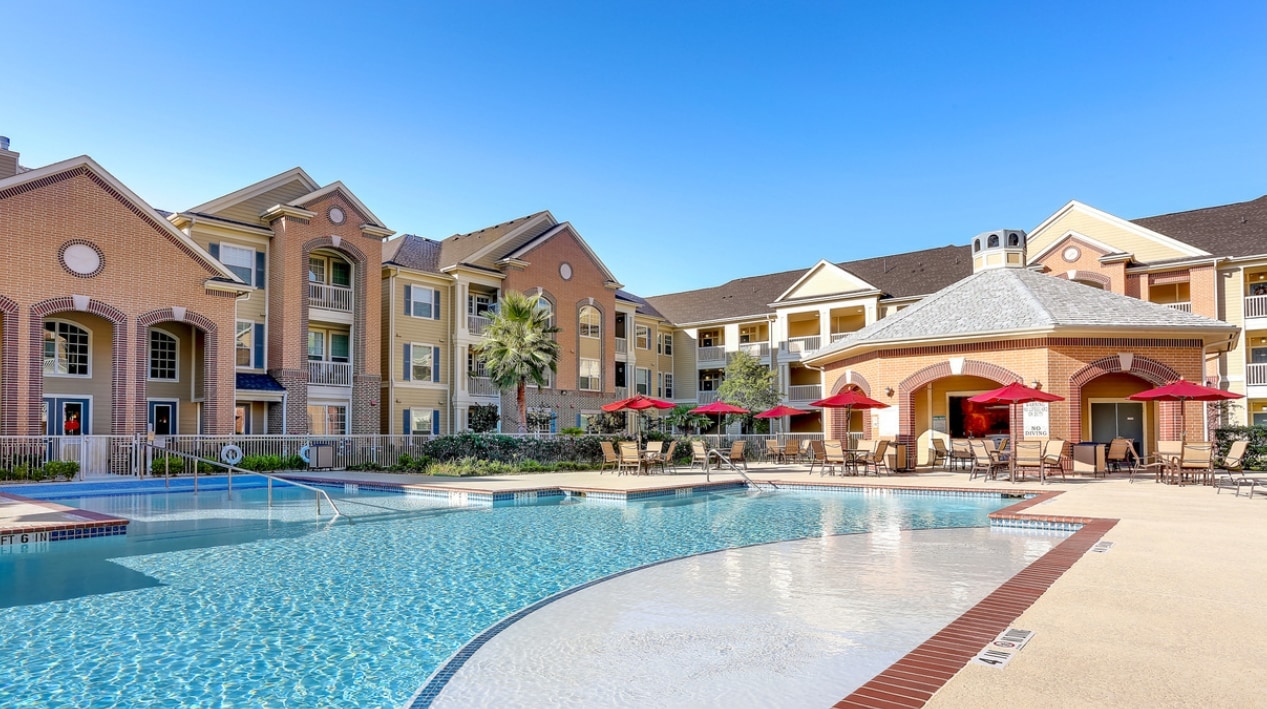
[590, 330]
[415, 301]
[642, 337]
[421, 414]
[638, 380]
[56, 335]
[237, 343]
[175, 356]
[589, 381]
[416, 348]
[326, 410]
[226, 249]
[668, 386]
[667, 339]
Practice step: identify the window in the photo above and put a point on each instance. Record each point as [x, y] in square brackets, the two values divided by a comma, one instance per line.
[422, 420]
[478, 304]
[340, 347]
[249, 345]
[642, 380]
[668, 386]
[241, 261]
[316, 345]
[241, 420]
[420, 363]
[659, 384]
[162, 356]
[665, 346]
[542, 420]
[644, 337]
[327, 420]
[590, 376]
[591, 325]
[422, 302]
[316, 269]
[1258, 355]
[709, 338]
[65, 349]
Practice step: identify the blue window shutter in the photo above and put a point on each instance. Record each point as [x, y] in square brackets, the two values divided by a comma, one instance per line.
[407, 422]
[554, 422]
[435, 364]
[259, 269]
[258, 354]
[435, 422]
[435, 305]
[214, 248]
[578, 420]
[409, 303]
[407, 367]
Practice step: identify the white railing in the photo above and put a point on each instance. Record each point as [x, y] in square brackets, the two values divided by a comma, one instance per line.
[840, 335]
[805, 392]
[622, 346]
[344, 451]
[483, 386]
[26, 457]
[1182, 307]
[622, 392]
[760, 350]
[706, 397]
[714, 353]
[1256, 374]
[1256, 306]
[337, 374]
[798, 345]
[329, 297]
[476, 324]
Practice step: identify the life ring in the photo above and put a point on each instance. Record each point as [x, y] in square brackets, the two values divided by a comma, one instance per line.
[231, 454]
[303, 453]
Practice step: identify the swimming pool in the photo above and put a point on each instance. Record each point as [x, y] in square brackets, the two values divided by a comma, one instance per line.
[218, 599]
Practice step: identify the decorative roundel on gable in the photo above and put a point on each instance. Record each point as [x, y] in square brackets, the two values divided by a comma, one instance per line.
[1071, 253]
[82, 258]
[565, 271]
[336, 215]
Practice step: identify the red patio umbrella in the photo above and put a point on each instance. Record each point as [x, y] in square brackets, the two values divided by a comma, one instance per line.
[720, 408]
[637, 402]
[849, 399]
[1013, 394]
[780, 411]
[1182, 390]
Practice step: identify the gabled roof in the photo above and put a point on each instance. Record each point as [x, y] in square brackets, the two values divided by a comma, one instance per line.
[295, 175]
[338, 186]
[218, 271]
[829, 278]
[413, 252]
[904, 275]
[1238, 229]
[468, 248]
[536, 241]
[1003, 302]
[642, 306]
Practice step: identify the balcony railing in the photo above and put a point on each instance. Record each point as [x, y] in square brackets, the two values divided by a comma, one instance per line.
[1256, 306]
[622, 346]
[839, 335]
[482, 386]
[622, 392]
[715, 353]
[329, 297]
[798, 345]
[805, 392]
[759, 350]
[1183, 307]
[337, 374]
[707, 397]
[1256, 374]
[476, 324]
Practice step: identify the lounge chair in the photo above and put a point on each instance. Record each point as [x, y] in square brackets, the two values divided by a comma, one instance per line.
[610, 457]
[1234, 467]
[939, 453]
[1054, 457]
[1027, 455]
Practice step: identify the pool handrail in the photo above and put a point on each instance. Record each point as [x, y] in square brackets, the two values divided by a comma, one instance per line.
[167, 453]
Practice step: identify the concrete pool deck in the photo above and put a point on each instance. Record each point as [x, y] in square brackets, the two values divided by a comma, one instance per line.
[1171, 616]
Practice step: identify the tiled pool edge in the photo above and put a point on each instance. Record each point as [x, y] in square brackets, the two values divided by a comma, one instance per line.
[913, 680]
[93, 524]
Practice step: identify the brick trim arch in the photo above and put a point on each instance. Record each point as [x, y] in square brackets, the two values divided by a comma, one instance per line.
[851, 378]
[360, 272]
[211, 356]
[9, 367]
[838, 425]
[1150, 370]
[1088, 276]
[941, 370]
[119, 424]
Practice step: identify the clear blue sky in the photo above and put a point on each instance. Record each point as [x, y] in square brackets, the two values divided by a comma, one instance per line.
[689, 143]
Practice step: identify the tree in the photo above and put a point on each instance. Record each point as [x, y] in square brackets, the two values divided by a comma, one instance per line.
[483, 418]
[518, 347]
[749, 384]
[681, 419]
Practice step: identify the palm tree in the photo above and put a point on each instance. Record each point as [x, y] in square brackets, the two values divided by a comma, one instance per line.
[518, 346]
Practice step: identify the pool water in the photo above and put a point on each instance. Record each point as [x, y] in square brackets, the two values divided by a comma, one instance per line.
[217, 599]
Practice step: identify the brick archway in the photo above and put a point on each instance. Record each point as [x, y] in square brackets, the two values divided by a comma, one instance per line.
[211, 356]
[970, 368]
[360, 271]
[9, 367]
[839, 427]
[119, 423]
[1150, 370]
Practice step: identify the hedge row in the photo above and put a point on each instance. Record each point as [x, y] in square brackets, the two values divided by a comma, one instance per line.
[1256, 454]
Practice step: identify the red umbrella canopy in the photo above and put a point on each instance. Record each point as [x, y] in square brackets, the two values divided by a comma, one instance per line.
[639, 402]
[850, 398]
[780, 411]
[1182, 390]
[719, 407]
[1014, 393]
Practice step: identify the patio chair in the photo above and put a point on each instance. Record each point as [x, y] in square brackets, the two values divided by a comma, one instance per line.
[610, 456]
[699, 455]
[985, 463]
[1055, 454]
[630, 459]
[817, 455]
[1163, 461]
[1234, 467]
[939, 453]
[960, 455]
[834, 455]
[1116, 456]
[877, 458]
[1027, 455]
[791, 452]
[1197, 463]
[738, 454]
[772, 450]
[665, 459]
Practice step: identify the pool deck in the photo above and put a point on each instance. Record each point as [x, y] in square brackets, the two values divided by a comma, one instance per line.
[1171, 616]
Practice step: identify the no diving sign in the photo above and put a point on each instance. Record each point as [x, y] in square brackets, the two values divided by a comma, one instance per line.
[1000, 651]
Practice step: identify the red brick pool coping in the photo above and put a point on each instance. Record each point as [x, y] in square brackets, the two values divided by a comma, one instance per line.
[72, 518]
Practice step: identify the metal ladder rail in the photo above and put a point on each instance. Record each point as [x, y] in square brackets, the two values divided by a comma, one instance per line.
[723, 459]
[232, 469]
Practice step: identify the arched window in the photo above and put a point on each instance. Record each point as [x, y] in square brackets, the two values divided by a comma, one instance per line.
[590, 322]
[993, 241]
[65, 349]
[976, 245]
[163, 356]
[1013, 240]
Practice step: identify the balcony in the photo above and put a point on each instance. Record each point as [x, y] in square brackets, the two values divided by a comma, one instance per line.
[622, 346]
[1182, 307]
[476, 324]
[706, 397]
[797, 346]
[840, 335]
[715, 353]
[622, 392]
[760, 350]
[337, 374]
[1256, 375]
[483, 386]
[1256, 306]
[329, 297]
[805, 392]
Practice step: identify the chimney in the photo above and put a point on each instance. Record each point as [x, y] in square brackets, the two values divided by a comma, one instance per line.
[8, 159]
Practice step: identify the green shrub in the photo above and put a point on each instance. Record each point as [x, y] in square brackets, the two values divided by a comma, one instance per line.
[572, 431]
[1255, 454]
[262, 463]
[410, 464]
[64, 469]
[164, 464]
